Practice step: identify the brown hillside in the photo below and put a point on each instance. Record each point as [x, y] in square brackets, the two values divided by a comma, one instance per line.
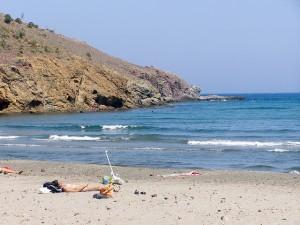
[41, 71]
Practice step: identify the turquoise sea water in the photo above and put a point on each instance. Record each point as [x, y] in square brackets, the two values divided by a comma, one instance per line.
[259, 133]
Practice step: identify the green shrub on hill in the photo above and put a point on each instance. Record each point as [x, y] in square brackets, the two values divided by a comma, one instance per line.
[32, 25]
[18, 20]
[8, 19]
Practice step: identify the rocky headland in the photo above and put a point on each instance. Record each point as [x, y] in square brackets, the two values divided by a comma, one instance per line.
[41, 71]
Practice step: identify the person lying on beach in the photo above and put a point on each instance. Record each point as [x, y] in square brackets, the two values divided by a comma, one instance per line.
[7, 170]
[59, 186]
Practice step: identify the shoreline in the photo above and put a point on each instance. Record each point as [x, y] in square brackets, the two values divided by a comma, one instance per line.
[91, 170]
[214, 197]
[291, 171]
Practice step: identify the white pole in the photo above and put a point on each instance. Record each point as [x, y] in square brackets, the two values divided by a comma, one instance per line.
[111, 169]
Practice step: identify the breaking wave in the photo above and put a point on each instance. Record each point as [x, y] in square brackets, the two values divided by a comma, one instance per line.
[74, 127]
[278, 150]
[8, 137]
[114, 127]
[118, 127]
[73, 138]
[20, 145]
[244, 143]
[148, 148]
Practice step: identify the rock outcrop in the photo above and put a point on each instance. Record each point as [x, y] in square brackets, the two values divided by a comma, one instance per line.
[41, 71]
[219, 98]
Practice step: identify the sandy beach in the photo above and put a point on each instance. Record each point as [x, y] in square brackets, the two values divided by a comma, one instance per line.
[214, 197]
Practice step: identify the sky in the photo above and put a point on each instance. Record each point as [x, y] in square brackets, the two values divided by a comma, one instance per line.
[223, 46]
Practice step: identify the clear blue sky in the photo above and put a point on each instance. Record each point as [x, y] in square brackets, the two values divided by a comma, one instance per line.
[224, 46]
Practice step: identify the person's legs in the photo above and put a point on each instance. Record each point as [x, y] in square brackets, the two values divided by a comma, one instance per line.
[92, 187]
[80, 187]
[73, 187]
[6, 170]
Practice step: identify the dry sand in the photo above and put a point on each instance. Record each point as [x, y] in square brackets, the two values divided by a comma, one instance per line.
[215, 197]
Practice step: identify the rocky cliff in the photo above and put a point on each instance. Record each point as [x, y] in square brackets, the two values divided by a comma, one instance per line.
[41, 71]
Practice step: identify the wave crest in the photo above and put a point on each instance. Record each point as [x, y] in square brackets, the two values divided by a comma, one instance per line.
[20, 145]
[72, 138]
[243, 143]
[8, 137]
[278, 150]
[118, 127]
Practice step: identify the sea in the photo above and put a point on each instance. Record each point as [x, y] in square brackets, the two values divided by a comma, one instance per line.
[260, 133]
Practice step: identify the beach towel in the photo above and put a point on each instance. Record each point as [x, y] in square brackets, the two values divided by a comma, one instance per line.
[192, 173]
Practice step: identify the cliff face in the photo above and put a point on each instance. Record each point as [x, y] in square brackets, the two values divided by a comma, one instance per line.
[41, 71]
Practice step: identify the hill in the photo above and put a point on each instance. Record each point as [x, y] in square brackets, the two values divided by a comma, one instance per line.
[41, 71]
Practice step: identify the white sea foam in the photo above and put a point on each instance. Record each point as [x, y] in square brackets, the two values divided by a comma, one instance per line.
[278, 150]
[243, 143]
[148, 148]
[8, 137]
[21, 145]
[82, 127]
[125, 138]
[293, 143]
[295, 172]
[72, 138]
[114, 127]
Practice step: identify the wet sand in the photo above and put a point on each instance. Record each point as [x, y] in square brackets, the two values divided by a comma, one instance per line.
[214, 197]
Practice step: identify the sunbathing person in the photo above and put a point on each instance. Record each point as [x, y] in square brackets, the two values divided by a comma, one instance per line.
[59, 186]
[7, 170]
[66, 187]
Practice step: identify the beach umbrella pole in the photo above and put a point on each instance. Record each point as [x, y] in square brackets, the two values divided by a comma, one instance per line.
[116, 179]
[111, 169]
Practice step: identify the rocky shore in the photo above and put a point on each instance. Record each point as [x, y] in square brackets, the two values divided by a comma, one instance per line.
[41, 71]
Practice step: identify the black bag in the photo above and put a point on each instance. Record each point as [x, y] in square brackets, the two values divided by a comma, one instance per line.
[53, 186]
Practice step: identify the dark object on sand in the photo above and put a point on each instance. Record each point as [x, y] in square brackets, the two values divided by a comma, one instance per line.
[136, 192]
[100, 196]
[53, 186]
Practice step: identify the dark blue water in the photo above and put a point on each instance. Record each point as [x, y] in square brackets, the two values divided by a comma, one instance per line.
[259, 133]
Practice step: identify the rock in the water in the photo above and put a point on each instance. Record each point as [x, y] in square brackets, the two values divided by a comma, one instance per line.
[219, 98]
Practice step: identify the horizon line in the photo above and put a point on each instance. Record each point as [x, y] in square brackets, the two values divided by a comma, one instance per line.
[235, 93]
